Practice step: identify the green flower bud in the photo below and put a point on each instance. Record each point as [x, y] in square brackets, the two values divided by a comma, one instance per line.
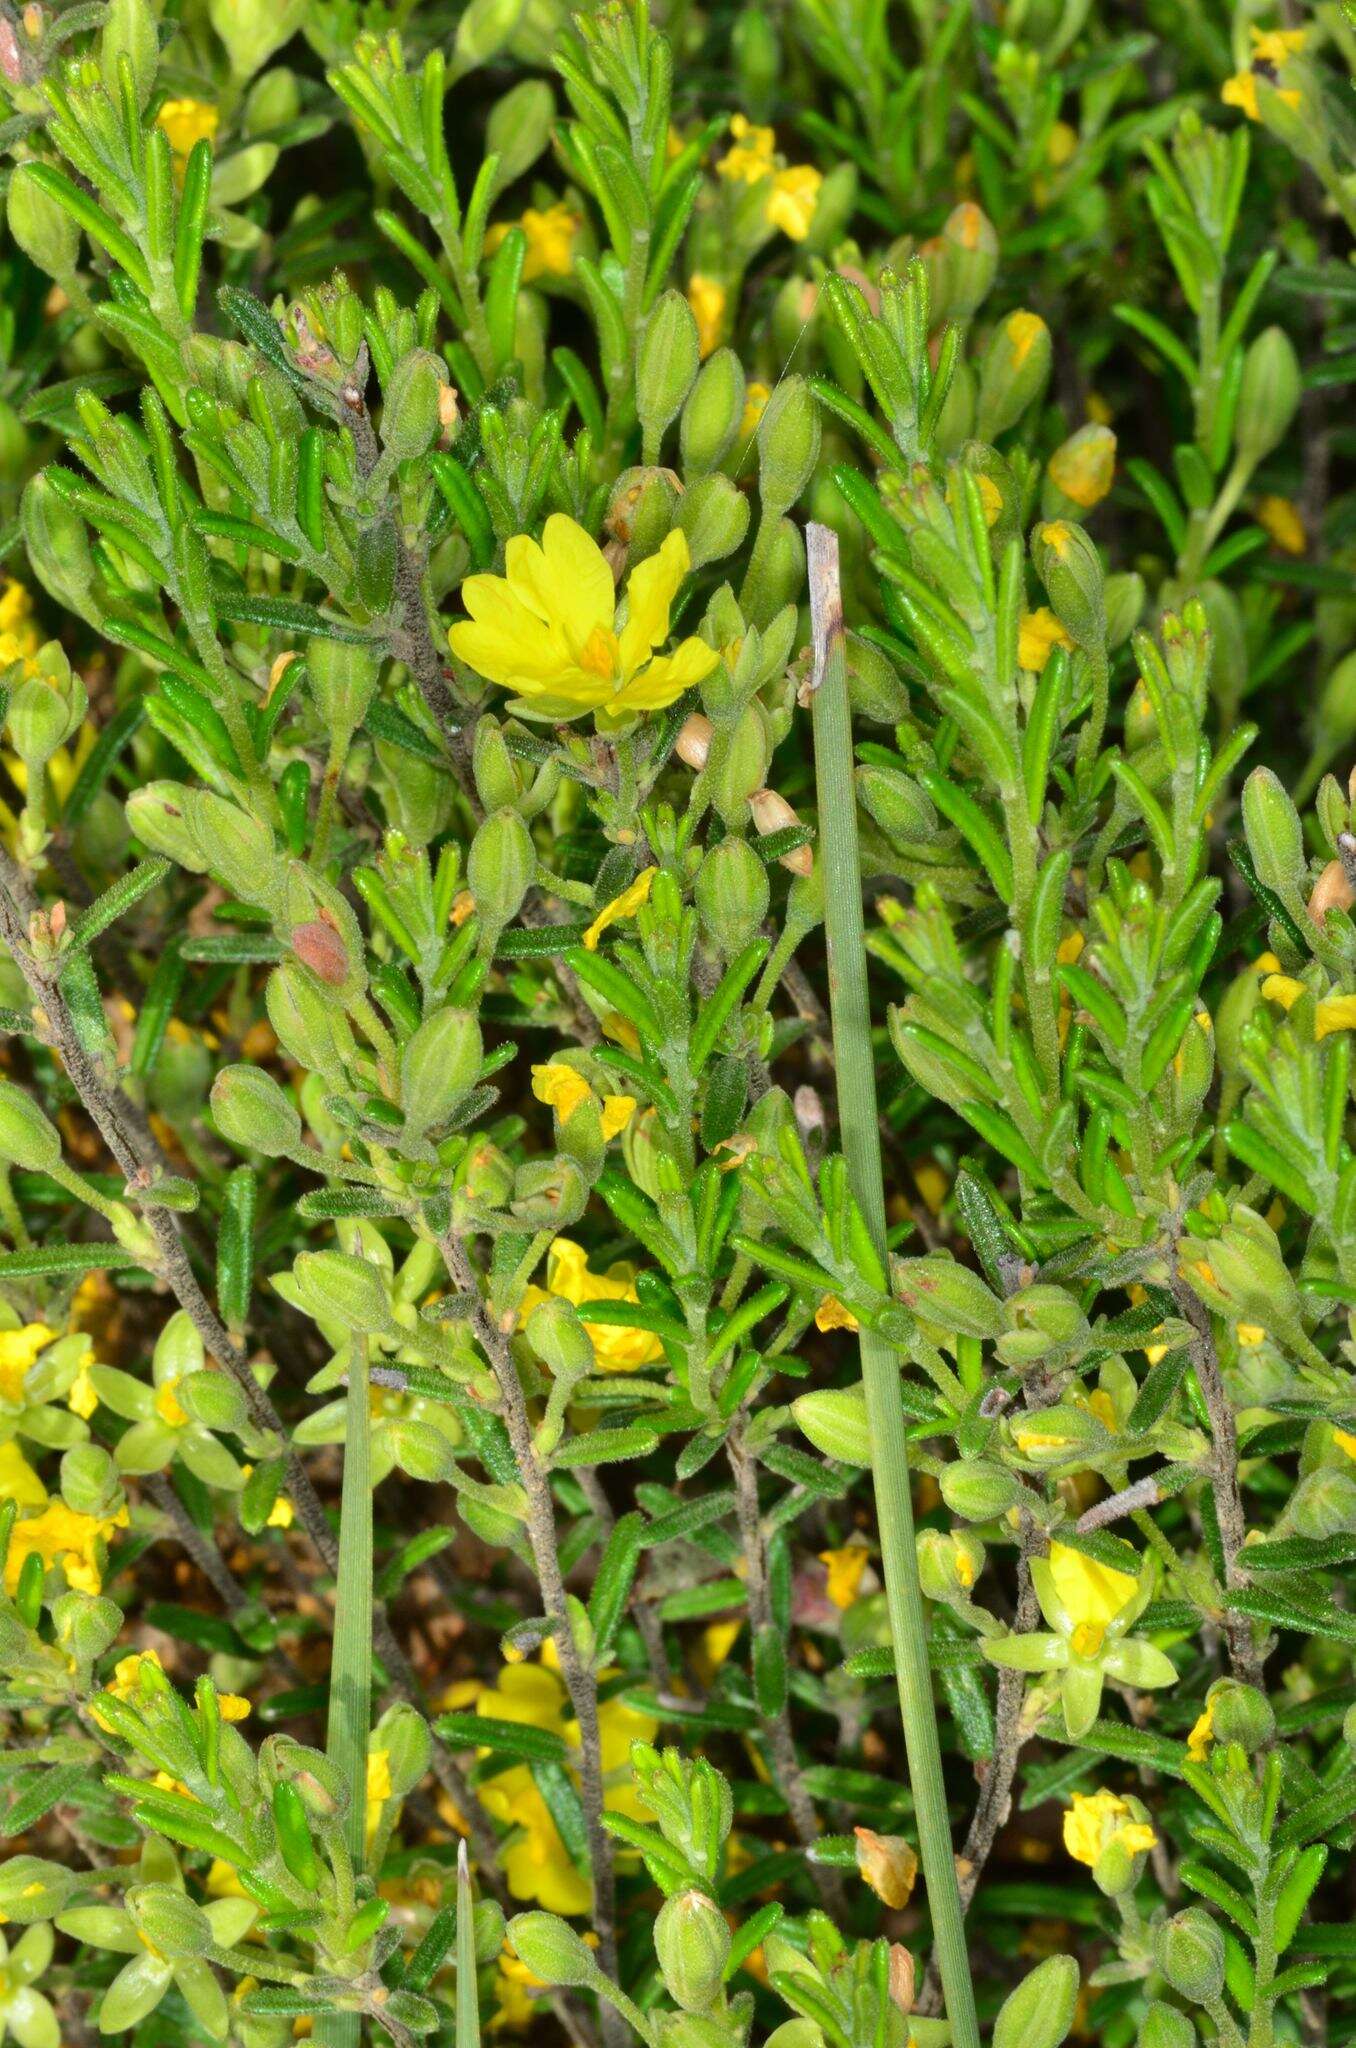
[85, 1625]
[57, 546]
[965, 263]
[1324, 1504]
[90, 1484]
[169, 1922]
[214, 1400]
[741, 763]
[1040, 2012]
[666, 364]
[343, 678]
[336, 1287]
[519, 128]
[796, 2034]
[711, 416]
[549, 1193]
[320, 1786]
[788, 445]
[692, 1942]
[27, 1139]
[32, 1889]
[551, 1949]
[1124, 607]
[497, 781]
[561, 1342]
[404, 1734]
[129, 31]
[1189, 1950]
[1275, 837]
[948, 1564]
[1164, 2026]
[41, 225]
[714, 516]
[409, 418]
[252, 1111]
[1241, 1713]
[499, 868]
[978, 1490]
[489, 1176]
[1070, 567]
[757, 51]
[1269, 395]
[45, 709]
[732, 894]
[235, 848]
[158, 816]
[1013, 373]
[834, 1419]
[905, 815]
[484, 28]
[940, 1290]
[877, 689]
[1335, 712]
[439, 1066]
[309, 1028]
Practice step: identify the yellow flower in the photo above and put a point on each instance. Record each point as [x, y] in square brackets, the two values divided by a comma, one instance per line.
[707, 298]
[750, 160]
[991, 498]
[625, 905]
[565, 1090]
[568, 1276]
[1093, 1595]
[535, 1861]
[1202, 1734]
[792, 201]
[19, 636]
[551, 234]
[125, 1684]
[516, 1993]
[18, 1350]
[60, 1534]
[831, 1315]
[756, 397]
[1280, 517]
[1084, 466]
[82, 1396]
[845, 1567]
[168, 1406]
[1345, 1441]
[1023, 330]
[549, 630]
[1271, 50]
[1334, 1013]
[187, 122]
[1062, 143]
[1283, 989]
[378, 1787]
[18, 1481]
[1058, 537]
[1096, 1820]
[1038, 635]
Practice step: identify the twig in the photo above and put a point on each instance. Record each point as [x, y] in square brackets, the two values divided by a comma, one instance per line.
[786, 1764]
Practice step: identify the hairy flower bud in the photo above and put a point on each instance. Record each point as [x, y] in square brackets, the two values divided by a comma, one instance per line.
[1269, 395]
[732, 893]
[1040, 2012]
[253, 1111]
[666, 364]
[1015, 367]
[692, 1942]
[438, 1066]
[712, 414]
[551, 1949]
[1189, 1950]
[28, 1139]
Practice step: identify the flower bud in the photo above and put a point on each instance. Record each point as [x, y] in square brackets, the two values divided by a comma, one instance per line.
[410, 420]
[772, 813]
[234, 847]
[158, 816]
[499, 868]
[692, 1942]
[1013, 373]
[343, 679]
[788, 445]
[1189, 1950]
[1040, 2012]
[404, 1734]
[32, 1889]
[693, 744]
[168, 1921]
[712, 414]
[965, 263]
[741, 765]
[90, 1484]
[45, 709]
[948, 1564]
[978, 1490]
[57, 545]
[1069, 566]
[714, 517]
[252, 1111]
[549, 1193]
[892, 797]
[1268, 396]
[834, 1419]
[1166, 2026]
[1080, 472]
[489, 1176]
[41, 225]
[796, 2034]
[213, 1400]
[439, 1066]
[1240, 1713]
[318, 1783]
[732, 893]
[336, 1287]
[560, 1340]
[28, 1139]
[85, 1626]
[551, 1949]
[310, 1028]
[497, 782]
[1275, 837]
[666, 364]
[875, 685]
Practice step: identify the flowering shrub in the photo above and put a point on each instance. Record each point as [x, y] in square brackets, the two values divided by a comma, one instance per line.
[677, 1207]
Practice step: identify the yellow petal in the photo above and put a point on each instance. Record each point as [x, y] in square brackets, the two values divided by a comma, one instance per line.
[625, 905]
[650, 591]
[561, 1088]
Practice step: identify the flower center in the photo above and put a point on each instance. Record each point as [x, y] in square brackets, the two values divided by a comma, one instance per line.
[1087, 1638]
[599, 653]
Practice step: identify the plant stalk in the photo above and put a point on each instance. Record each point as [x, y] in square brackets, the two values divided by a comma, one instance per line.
[856, 1082]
